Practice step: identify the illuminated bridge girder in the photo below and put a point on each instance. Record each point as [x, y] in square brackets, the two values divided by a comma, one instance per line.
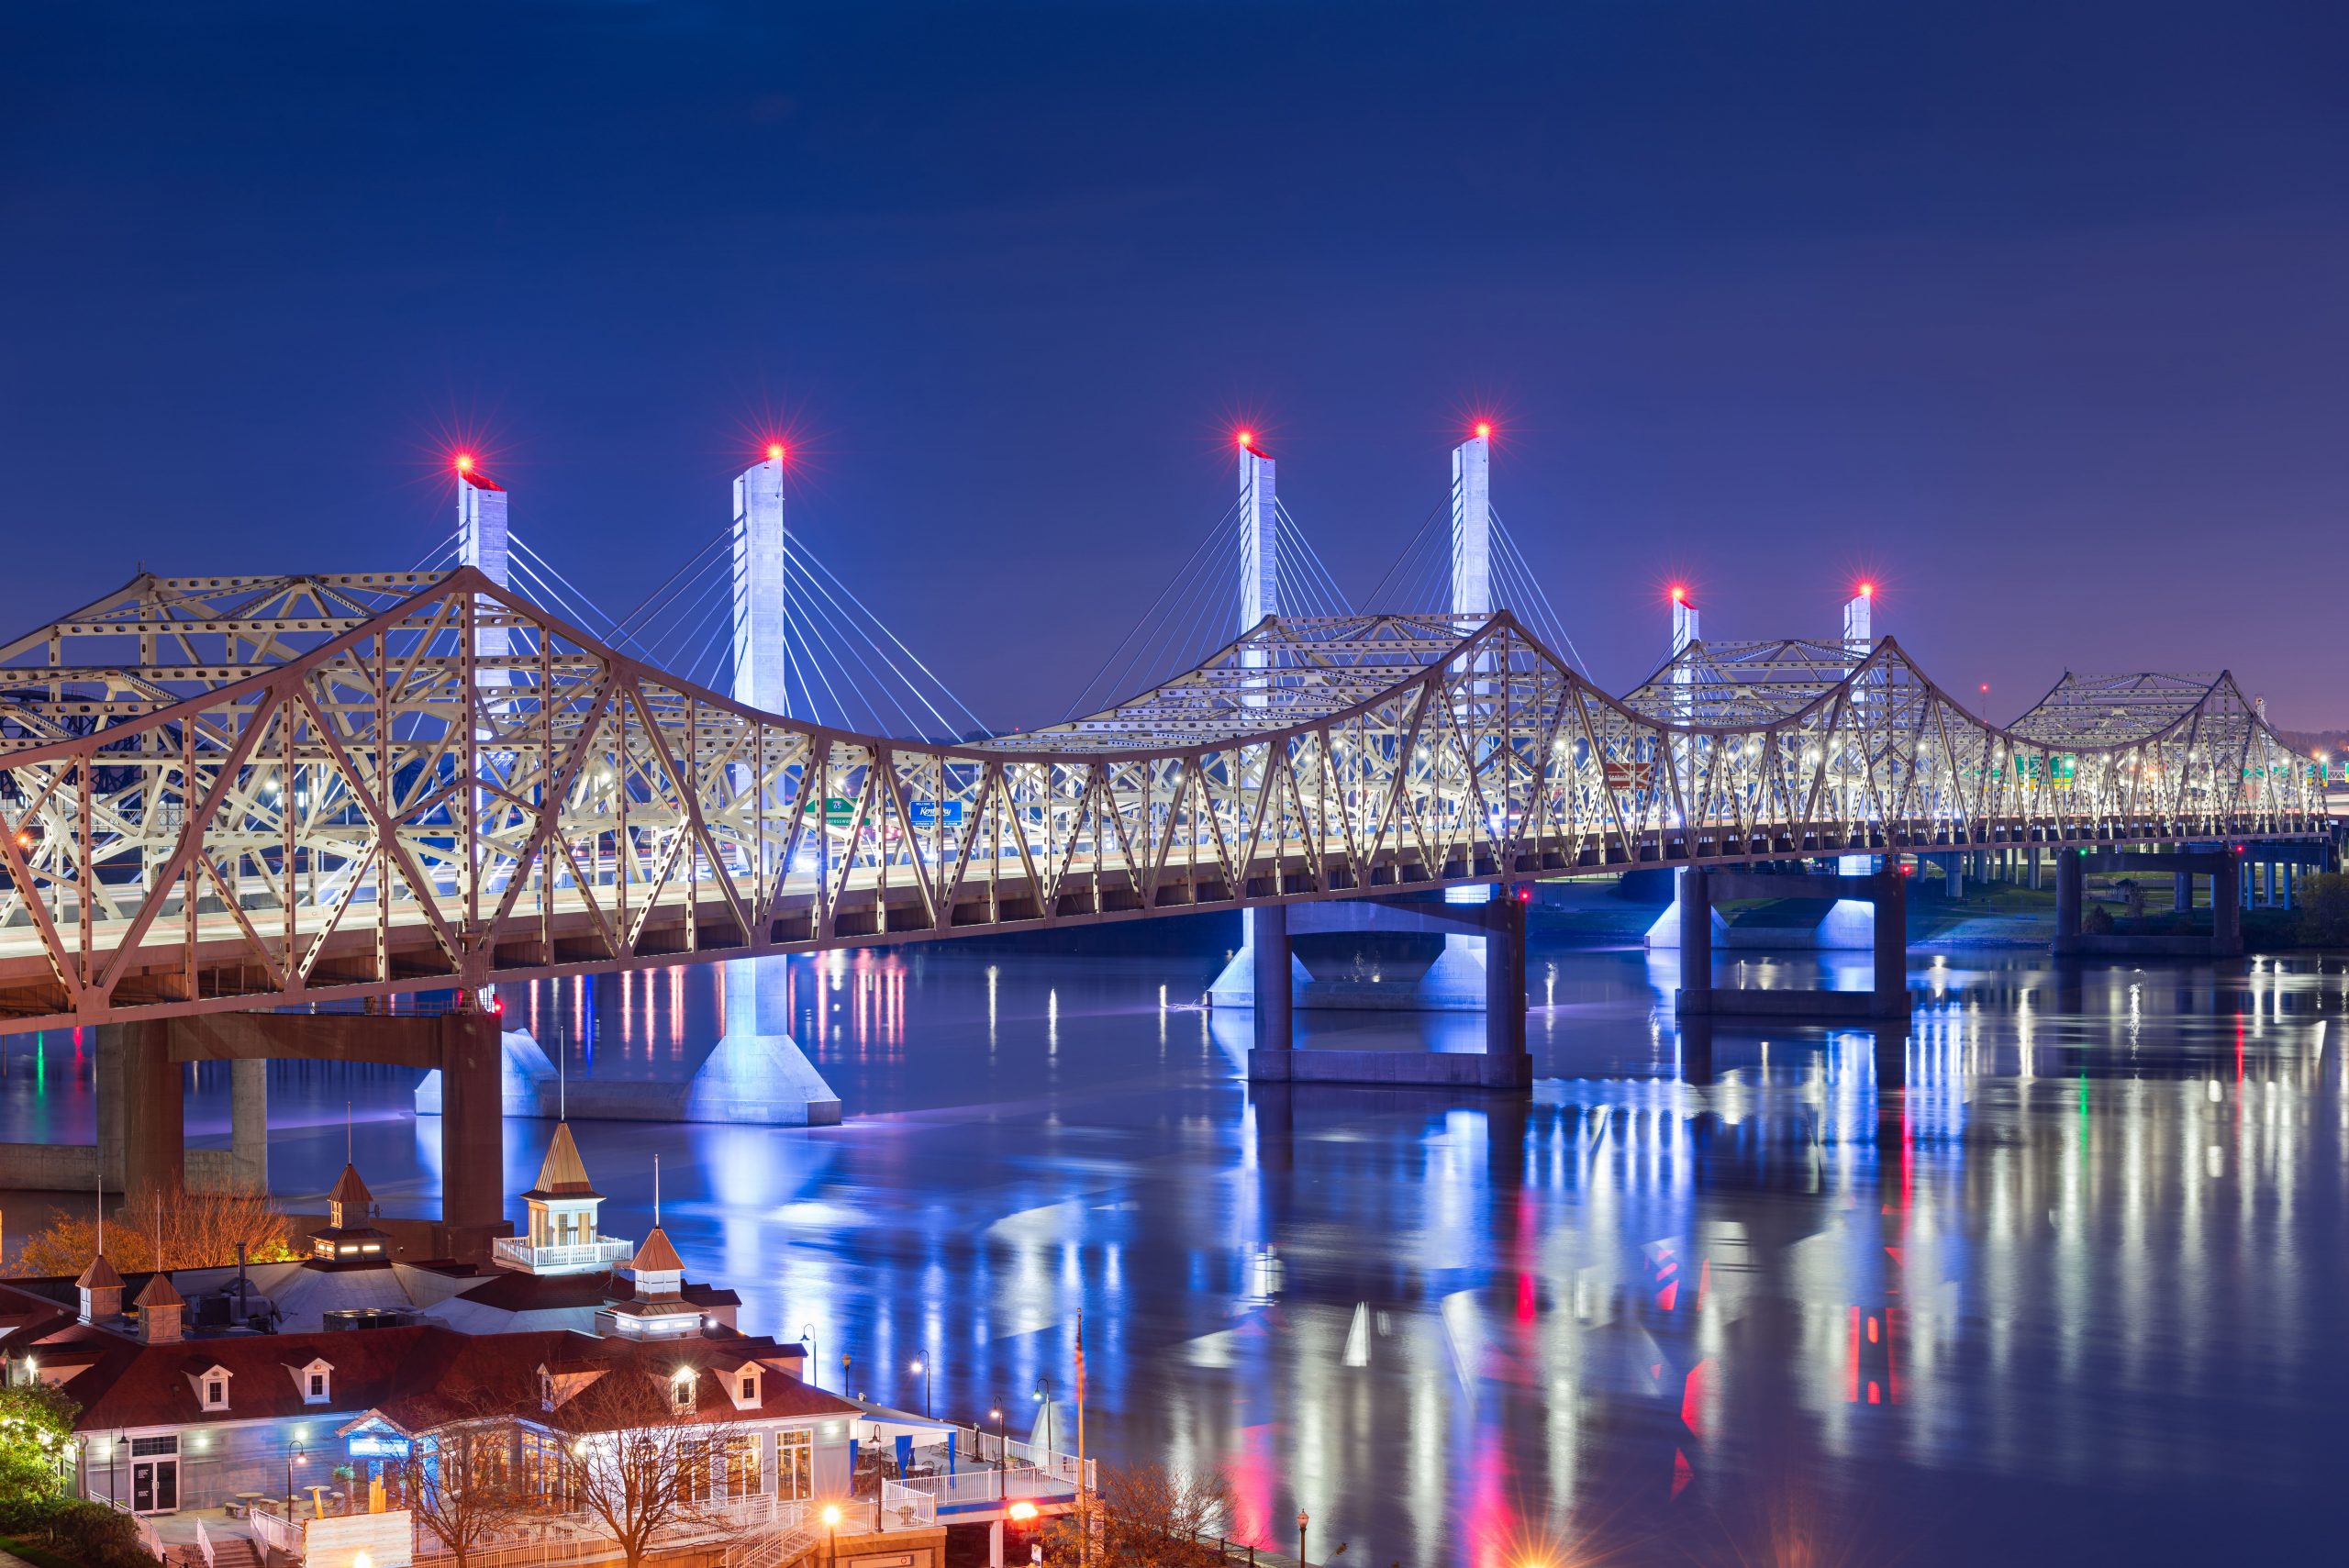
[225, 793]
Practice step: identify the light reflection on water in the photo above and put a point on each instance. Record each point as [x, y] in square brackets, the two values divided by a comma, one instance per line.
[2064, 1267]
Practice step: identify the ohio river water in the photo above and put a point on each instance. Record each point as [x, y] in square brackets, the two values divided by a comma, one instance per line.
[2076, 1286]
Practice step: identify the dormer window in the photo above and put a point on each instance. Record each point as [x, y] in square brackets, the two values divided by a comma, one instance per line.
[315, 1381]
[215, 1393]
[681, 1391]
[749, 1387]
[545, 1389]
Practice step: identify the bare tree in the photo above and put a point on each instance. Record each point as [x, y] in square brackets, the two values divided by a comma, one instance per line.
[197, 1230]
[643, 1460]
[1150, 1516]
[464, 1491]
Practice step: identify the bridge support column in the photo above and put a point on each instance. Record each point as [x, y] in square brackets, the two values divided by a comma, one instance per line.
[1696, 940]
[154, 1110]
[1506, 1063]
[2182, 890]
[1891, 976]
[248, 1123]
[2067, 903]
[2034, 868]
[2226, 910]
[1269, 956]
[472, 1132]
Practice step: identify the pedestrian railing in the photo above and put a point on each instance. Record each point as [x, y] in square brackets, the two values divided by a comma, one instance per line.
[902, 1508]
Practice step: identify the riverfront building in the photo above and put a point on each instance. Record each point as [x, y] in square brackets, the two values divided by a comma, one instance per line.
[216, 1386]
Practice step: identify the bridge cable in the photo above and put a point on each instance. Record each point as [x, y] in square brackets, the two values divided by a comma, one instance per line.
[1220, 532]
[841, 628]
[947, 691]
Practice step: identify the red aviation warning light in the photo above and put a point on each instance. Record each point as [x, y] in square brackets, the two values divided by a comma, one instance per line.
[1867, 590]
[774, 452]
[1247, 439]
[1679, 593]
[1484, 430]
[465, 463]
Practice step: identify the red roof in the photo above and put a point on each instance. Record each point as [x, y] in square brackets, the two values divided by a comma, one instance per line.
[418, 1375]
[513, 1291]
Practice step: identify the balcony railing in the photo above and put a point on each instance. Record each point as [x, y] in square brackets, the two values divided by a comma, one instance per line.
[603, 1252]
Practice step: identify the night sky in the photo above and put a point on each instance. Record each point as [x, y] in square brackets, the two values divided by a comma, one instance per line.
[2035, 314]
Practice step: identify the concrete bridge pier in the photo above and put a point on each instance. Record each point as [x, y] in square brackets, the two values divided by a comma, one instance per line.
[2228, 878]
[463, 1047]
[1503, 1064]
[1886, 890]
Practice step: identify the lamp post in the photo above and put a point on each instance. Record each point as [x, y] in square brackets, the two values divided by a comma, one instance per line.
[1302, 1521]
[1044, 1397]
[921, 1365]
[831, 1524]
[295, 1454]
[814, 1367]
[1002, 1455]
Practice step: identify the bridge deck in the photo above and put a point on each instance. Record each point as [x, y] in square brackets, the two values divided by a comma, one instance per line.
[225, 792]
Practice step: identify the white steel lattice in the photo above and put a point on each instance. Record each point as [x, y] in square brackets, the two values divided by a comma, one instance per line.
[226, 792]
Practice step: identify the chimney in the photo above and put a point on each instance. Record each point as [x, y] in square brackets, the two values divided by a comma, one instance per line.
[101, 1290]
[160, 1307]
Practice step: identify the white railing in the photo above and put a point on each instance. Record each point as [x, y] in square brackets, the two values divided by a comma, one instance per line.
[149, 1541]
[986, 1447]
[984, 1484]
[553, 1540]
[275, 1532]
[603, 1252]
[203, 1541]
[902, 1508]
[792, 1535]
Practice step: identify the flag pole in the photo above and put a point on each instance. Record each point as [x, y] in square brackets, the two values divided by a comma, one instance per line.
[1084, 1502]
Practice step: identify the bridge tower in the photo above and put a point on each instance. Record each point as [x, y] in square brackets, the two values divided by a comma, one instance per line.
[483, 540]
[1260, 595]
[1451, 976]
[757, 1072]
[761, 654]
[1685, 630]
[1848, 922]
[1260, 558]
[1851, 922]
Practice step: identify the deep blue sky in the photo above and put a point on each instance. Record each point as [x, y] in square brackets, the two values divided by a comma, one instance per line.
[2036, 313]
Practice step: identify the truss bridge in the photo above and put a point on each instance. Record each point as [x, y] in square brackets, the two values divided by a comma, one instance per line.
[250, 792]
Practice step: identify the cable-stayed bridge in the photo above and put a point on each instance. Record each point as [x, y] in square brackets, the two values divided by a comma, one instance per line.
[242, 812]
[235, 793]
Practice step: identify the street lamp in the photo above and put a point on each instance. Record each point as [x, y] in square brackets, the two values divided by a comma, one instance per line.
[1002, 1455]
[1302, 1521]
[814, 1367]
[921, 1365]
[295, 1454]
[831, 1524]
[1044, 1397]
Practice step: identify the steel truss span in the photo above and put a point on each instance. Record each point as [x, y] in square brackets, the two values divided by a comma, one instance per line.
[245, 792]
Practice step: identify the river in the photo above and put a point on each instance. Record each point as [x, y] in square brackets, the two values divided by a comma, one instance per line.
[2060, 1273]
